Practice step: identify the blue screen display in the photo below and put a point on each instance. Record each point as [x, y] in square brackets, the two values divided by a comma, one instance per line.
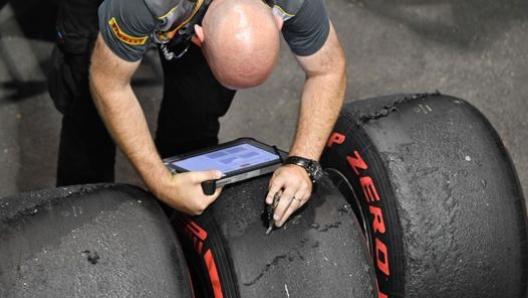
[228, 159]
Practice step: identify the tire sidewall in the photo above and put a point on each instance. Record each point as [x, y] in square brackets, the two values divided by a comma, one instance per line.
[372, 192]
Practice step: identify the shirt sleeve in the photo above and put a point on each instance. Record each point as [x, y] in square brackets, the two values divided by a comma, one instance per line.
[126, 27]
[307, 31]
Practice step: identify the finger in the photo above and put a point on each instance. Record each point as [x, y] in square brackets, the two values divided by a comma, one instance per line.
[210, 199]
[274, 188]
[296, 202]
[218, 191]
[284, 202]
[201, 176]
[276, 184]
[203, 201]
[271, 195]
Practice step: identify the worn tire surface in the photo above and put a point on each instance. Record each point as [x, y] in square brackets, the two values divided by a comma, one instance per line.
[320, 252]
[89, 241]
[437, 195]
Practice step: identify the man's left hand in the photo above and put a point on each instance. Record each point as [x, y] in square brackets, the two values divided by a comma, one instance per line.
[296, 189]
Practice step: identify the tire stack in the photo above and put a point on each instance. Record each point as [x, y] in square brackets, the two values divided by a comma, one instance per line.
[437, 195]
[420, 199]
[320, 252]
[89, 241]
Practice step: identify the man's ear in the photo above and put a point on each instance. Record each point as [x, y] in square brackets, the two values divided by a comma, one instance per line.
[199, 32]
[279, 21]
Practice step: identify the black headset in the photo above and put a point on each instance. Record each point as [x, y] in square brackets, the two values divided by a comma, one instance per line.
[181, 41]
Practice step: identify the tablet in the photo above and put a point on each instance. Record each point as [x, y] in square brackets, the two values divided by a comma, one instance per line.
[238, 160]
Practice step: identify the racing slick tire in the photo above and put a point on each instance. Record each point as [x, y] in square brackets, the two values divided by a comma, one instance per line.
[436, 194]
[97, 240]
[319, 252]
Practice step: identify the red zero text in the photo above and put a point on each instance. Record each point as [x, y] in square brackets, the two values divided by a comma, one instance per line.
[371, 195]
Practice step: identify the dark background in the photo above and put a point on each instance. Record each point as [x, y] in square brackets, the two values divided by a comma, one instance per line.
[473, 49]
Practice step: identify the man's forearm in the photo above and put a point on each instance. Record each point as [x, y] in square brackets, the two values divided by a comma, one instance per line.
[126, 123]
[122, 113]
[321, 102]
[321, 99]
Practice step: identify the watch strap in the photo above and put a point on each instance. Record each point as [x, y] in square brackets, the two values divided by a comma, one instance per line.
[311, 166]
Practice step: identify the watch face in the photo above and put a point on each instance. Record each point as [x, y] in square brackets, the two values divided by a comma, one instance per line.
[317, 172]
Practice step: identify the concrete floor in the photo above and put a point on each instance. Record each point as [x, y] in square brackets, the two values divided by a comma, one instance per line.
[473, 49]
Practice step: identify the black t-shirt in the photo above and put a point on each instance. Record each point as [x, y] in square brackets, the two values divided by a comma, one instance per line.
[128, 26]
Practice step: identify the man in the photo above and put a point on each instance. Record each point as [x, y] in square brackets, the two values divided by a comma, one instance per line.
[237, 47]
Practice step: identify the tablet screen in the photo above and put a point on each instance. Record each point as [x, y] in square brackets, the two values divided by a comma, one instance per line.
[228, 159]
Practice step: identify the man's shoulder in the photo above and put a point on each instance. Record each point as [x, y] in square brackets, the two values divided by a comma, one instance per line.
[147, 10]
[160, 8]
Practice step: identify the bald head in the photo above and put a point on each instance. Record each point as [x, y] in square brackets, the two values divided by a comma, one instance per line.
[240, 40]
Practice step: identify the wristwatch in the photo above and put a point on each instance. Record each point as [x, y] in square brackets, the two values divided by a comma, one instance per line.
[312, 167]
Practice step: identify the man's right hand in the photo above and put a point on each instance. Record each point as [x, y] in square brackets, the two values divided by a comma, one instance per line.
[184, 192]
